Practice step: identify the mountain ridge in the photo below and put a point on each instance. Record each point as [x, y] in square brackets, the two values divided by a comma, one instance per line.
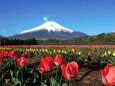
[49, 29]
[50, 26]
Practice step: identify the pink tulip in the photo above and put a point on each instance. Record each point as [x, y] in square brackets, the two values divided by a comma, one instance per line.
[70, 71]
[108, 75]
[58, 60]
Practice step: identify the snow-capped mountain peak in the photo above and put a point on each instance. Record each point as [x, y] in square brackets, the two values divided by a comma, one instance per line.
[49, 29]
[50, 26]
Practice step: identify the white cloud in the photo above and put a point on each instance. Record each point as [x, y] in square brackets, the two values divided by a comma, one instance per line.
[3, 31]
[18, 29]
[45, 18]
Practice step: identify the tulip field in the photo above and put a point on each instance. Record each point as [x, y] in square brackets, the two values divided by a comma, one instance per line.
[57, 65]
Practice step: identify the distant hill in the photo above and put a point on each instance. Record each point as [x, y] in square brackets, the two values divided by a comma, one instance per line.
[104, 36]
[2, 36]
[107, 38]
[101, 39]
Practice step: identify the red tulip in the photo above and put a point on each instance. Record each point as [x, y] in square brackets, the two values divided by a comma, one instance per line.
[6, 53]
[46, 64]
[58, 60]
[90, 49]
[14, 54]
[1, 55]
[0, 62]
[108, 75]
[70, 71]
[27, 54]
[30, 54]
[22, 61]
[16, 57]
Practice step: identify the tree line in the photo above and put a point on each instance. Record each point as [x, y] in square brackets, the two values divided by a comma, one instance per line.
[6, 41]
[100, 39]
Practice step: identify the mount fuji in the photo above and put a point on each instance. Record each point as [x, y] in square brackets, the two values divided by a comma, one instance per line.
[49, 29]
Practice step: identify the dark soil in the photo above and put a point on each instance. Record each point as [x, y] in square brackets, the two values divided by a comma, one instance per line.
[87, 76]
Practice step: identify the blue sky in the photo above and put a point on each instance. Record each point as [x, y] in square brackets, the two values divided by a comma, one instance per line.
[89, 16]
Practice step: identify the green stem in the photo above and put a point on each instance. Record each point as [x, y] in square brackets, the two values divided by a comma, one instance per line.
[49, 75]
[15, 70]
[70, 84]
[29, 60]
[22, 74]
[11, 61]
[65, 81]
[61, 78]
[41, 78]
[56, 71]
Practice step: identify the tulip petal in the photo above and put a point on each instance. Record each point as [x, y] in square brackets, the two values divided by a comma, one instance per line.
[112, 82]
[104, 81]
[70, 71]
[47, 63]
[41, 70]
[108, 75]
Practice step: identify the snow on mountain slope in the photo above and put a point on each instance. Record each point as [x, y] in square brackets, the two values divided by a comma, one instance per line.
[50, 26]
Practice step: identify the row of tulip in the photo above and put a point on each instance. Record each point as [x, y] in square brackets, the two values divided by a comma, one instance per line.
[61, 46]
[16, 70]
[82, 55]
[88, 50]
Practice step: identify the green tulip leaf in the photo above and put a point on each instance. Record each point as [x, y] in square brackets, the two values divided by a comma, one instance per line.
[43, 84]
[64, 84]
[53, 82]
[11, 72]
[7, 80]
[16, 82]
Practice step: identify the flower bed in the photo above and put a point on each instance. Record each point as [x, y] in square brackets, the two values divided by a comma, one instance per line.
[57, 66]
[61, 46]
